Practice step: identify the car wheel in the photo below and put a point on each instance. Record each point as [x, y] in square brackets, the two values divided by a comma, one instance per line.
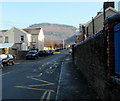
[1, 66]
[35, 58]
[13, 63]
[8, 63]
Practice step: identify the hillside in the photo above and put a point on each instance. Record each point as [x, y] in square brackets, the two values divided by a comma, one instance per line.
[56, 32]
[71, 39]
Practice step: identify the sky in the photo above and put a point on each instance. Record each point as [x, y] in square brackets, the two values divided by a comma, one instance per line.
[23, 14]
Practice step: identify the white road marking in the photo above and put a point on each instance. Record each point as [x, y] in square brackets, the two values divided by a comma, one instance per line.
[48, 97]
[7, 73]
[46, 93]
[43, 96]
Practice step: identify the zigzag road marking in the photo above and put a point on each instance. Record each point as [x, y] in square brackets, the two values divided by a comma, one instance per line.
[34, 88]
[46, 96]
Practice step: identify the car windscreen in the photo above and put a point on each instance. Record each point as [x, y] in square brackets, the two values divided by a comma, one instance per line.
[31, 53]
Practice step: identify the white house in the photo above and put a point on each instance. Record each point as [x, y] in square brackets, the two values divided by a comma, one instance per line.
[2, 35]
[17, 36]
[37, 37]
[25, 39]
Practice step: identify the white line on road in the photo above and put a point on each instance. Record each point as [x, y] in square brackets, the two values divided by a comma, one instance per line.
[59, 82]
[48, 97]
[7, 73]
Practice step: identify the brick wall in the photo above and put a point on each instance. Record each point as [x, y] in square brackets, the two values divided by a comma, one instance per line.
[110, 47]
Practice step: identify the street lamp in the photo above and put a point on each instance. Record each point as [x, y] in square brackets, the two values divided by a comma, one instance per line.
[63, 43]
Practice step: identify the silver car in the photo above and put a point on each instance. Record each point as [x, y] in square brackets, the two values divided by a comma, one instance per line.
[7, 59]
[1, 65]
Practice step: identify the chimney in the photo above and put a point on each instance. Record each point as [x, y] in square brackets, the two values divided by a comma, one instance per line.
[107, 5]
[99, 13]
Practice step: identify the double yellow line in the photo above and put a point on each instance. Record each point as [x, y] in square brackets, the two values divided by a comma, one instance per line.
[47, 92]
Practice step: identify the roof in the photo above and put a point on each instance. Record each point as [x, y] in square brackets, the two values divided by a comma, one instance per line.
[33, 30]
[26, 30]
[20, 29]
[15, 28]
[3, 30]
[6, 45]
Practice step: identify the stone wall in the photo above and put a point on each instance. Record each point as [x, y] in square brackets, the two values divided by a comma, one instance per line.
[90, 58]
[21, 55]
[95, 59]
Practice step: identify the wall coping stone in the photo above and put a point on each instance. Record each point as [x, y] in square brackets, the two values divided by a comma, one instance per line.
[112, 18]
[116, 79]
[89, 38]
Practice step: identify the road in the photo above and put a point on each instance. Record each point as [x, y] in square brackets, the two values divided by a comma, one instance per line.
[41, 80]
[32, 79]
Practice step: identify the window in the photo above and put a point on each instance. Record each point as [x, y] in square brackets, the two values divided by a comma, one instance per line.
[33, 46]
[6, 39]
[33, 39]
[22, 38]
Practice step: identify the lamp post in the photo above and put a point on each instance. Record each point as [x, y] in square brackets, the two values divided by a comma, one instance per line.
[51, 40]
[63, 43]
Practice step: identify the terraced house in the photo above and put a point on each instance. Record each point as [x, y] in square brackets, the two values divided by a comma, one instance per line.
[96, 23]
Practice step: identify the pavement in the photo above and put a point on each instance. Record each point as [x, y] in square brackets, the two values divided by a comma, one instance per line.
[72, 84]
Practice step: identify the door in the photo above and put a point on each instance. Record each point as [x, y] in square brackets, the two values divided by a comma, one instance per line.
[117, 48]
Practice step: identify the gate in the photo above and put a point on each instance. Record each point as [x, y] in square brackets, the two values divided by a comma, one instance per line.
[117, 48]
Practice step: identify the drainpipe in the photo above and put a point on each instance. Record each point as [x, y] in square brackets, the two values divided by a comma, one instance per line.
[93, 25]
[87, 32]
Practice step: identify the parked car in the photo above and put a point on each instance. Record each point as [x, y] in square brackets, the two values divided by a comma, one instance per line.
[51, 52]
[70, 50]
[33, 51]
[43, 53]
[1, 65]
[7, 59]
[47, 52]
[32, 55]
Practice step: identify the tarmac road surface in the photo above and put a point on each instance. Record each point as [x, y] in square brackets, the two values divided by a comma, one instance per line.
[44, 79]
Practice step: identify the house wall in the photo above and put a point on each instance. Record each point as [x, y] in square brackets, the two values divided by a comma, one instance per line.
[14, 36]
[80, 37]
[10, 34]
[18, 34]
[29, 39]
[38, 34]
[36, 41]
[2, 36]
[41, 40]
